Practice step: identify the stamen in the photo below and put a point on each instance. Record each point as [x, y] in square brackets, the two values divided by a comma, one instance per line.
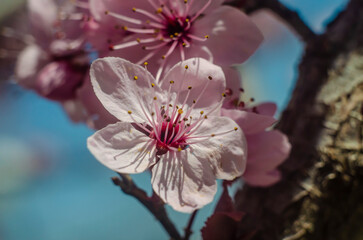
[146, 13]
[124, 18]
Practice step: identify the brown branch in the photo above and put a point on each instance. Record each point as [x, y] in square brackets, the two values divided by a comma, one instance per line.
[188, 229]
[273, 210]
[291, 17]
[154, 204]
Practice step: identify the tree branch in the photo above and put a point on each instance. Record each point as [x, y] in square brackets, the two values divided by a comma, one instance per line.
[274, 210]
[188, 229]
[291, 17]
[153, 204]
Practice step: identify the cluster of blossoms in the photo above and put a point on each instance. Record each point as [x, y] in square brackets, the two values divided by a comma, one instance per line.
[160, 92]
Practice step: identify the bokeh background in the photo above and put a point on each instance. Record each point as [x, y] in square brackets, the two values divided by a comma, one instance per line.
[51, 187]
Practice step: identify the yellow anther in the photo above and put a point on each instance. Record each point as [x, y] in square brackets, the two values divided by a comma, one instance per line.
[180, 111]
[147, 21]
[206, 36]
[190, 87]
[236, 128]
[138, 40]
[171, 82]
[155, 98]
[146, 63]
[153, 85]
[135, 78]
[134, 9]
[201, 112]
[176, 34]
[224, 95]
[186, 66]
[184, 44]
[205, 117]
[124, 28]
[185, 1]
[179, 149]
[129, 112]
[152, 114]
[159, 10]
[212, 135]
[163, 57]
[106, 12]
[171, 36]
[210, 78]
[187, 20]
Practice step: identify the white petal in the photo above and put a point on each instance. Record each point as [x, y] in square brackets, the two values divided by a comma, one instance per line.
[114, 85]
[227, 152]
[122, 148]
[185, 182]
[197, 76]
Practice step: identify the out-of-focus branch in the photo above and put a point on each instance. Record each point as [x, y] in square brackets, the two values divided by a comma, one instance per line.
[318, 196]
[188, 229]
[154, 204]
[291, 17]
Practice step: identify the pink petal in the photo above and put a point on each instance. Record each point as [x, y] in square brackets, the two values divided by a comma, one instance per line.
[240, 36]
[58, 81]
[122, 148]
[29, 62]
[267, 150]
[185, 182]
[262, 179]
[268, 109]
[226, 153]
[250, 122]
[75, 111]
[197, 76]
[233, 82]
[199, 4]
[114, 85]
[98, 116]
[43, 15]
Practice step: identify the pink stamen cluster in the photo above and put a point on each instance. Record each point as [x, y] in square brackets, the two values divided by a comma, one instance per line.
[167, 27]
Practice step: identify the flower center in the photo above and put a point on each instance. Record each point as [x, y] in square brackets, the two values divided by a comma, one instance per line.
[176, 29]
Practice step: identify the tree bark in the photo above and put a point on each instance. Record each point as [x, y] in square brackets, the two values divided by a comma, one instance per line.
[321, 193]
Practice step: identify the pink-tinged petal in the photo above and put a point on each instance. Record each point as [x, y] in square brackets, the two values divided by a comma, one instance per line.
[250, 122]
[186, 182]
[199, 4]
[58, 81]
[268, 109]
[66, 47]
[122, 148]
[199, 75]
[227, 152]
[75, 111]
[114, 83]
[233, 82]
[28, 64]
[262, 179]
[43, 16]
[98, 116]
[240, 35]
[267, 150]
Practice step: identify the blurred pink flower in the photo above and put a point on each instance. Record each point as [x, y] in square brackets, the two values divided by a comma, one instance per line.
[175, 129]
[266, 149]
[166, 32]
[55, 63]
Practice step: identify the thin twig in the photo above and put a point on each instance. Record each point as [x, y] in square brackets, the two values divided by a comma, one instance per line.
[291, 17]
[154, 204]
[188, 229]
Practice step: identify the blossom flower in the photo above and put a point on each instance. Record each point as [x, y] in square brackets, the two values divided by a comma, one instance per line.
[174, 130]
[55, 64]
[168, 31]
[266, 149]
